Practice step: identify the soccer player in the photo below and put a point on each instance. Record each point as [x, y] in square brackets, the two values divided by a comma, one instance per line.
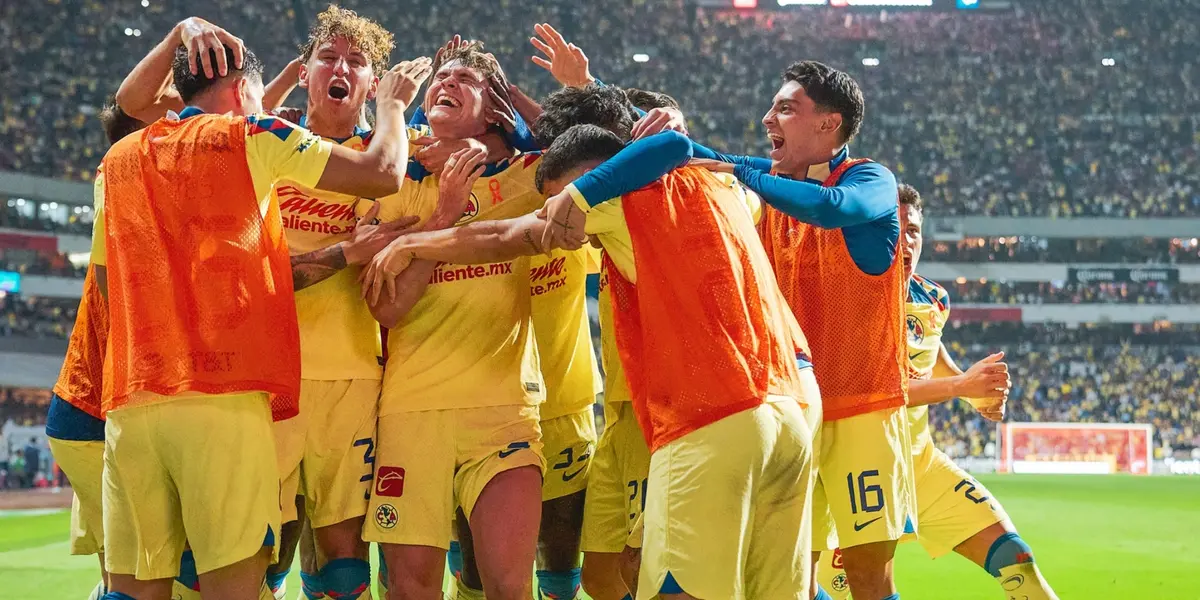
[329, 446]
[957, 513]
[458, 422]
[832, 234]
[188, 374]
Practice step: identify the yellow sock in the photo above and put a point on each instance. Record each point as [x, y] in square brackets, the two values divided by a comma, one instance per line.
[1025, 581]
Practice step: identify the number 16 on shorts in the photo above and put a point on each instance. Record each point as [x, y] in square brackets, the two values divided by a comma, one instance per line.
[865, 495]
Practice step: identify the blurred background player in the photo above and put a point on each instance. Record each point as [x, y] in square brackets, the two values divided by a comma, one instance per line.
[957, 513]
[832, 234]
[248, 154]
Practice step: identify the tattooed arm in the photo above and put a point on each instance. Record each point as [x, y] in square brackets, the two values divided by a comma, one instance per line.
[368, 238]
[476, 243]
[314, 267]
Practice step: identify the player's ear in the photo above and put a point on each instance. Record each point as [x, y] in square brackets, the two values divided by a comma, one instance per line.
[831, 123]
[373, 88]
[303, 76]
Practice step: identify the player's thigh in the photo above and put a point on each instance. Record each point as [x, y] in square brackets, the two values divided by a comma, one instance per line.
[83, 464]
[339, 455]
[412, 498]
[953, 505]
[710, 471]
[230, 497]
[290, 439]
[865, 467]
[779, 559]
[617, 483]
[141, 509]
[569, 443]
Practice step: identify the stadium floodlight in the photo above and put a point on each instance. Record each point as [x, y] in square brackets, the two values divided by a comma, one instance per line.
[870, 62]
[145, 3]
[641, 57]
[745, 3]
[1108, 62]
[128, 31]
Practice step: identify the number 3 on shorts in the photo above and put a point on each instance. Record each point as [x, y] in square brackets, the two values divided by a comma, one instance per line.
[870, 496]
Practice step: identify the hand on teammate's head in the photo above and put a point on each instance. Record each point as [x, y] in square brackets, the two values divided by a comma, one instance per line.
[658, 120]
[500, 110]
[205, 43]
[403, 81]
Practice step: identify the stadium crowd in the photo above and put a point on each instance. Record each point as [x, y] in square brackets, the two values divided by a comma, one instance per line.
[1033, 292]
[37, 317]
[1029, 122]
[1045, 250]
[1101, 375]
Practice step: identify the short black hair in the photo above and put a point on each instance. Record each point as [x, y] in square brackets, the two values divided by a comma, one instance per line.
[831, 90]
[577, 145]
[189, 85]
[910, 196]
[648, 101]
[116, 122]
[593, 104]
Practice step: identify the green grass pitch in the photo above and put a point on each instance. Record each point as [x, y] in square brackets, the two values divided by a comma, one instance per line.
[1094, 537]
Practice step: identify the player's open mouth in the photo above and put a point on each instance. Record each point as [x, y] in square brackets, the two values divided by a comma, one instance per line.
[338, 91]
[447, 101]
[776, 141]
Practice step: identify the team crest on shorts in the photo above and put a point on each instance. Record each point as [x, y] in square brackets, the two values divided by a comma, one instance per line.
[386, 516]
[839, 583]
[916, 331]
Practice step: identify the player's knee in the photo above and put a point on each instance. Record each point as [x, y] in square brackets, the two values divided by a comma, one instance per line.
[560, 584]
[1008, 550]
[310, 584]
[347, 578]
[510, 586]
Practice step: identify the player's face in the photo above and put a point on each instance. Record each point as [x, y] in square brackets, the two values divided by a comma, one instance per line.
[339, 80]
[911, 221]
[456, 101]
[797, 128]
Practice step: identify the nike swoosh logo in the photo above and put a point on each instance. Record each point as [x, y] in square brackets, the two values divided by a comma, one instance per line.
[860, 526]
[913, 356]
[509, 452]
[570, 476]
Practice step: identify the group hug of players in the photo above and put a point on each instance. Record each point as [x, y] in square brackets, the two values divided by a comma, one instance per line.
[228, 394]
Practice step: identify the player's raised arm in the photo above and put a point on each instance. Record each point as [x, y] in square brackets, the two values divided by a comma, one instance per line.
[147, 93]
[379, 170]
[277, 91]
[565, 61]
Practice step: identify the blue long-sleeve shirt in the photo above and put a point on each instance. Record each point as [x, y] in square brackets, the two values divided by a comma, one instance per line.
[863, 203]
[639, 164]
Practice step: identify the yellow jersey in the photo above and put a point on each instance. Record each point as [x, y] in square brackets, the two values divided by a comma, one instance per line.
[275, 150]
[926, 312]
[557, 285]
[468, 341]
[339, 339]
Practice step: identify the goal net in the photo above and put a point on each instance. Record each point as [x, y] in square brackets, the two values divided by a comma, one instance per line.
[1075, 448]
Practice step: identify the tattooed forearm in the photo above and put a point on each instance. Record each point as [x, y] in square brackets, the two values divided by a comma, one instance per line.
[528, 238]
[317, 266]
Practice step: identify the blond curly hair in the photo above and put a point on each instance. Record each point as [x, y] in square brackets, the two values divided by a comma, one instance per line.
[375, 42]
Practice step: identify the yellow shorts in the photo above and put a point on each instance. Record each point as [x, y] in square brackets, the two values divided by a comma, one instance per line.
[568, 443]
[864, 481]
[198, 470]
[952, 505]
[83, 464]
[728, 510]
[616, 492]
[428, 463]
[831, 574]
[327, 452]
